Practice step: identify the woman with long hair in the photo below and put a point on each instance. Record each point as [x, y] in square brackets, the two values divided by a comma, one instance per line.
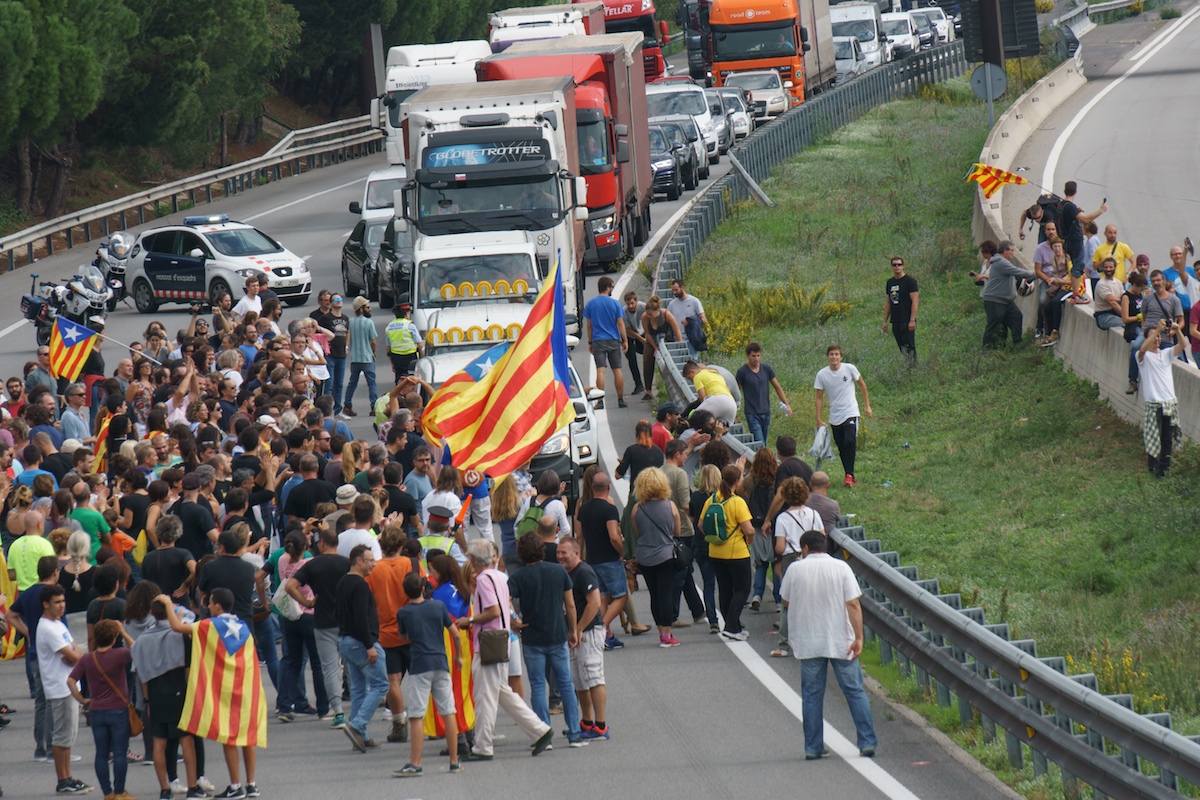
[354, 459]
[21, 501]
[758, 491]
[159, 493]
[299, 637]
[640, 455]
[708, 481]
[140, 394]
[453, 591]
[447, 494]
[657, 324]
[76, 576]
[731, 557]
[656, 525]
[506, 508]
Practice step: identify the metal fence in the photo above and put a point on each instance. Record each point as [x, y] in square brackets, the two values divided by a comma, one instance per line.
[1095, 739]
[299, 151]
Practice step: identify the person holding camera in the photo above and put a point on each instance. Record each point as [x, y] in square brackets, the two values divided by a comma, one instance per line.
[1160, 430]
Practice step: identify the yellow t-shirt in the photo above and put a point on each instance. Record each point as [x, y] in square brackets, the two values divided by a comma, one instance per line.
[736, 512]
[711, 382]
[1121, 252]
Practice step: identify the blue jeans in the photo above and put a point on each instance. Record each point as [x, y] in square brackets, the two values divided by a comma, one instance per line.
[707, 575]
[539, 658]
[759, 586]
[264, 641]
[110, 730]
[368, 682]
[337, 379]
[759, 426]
[299, 637]
[366, 369]
[43, 714]
[812, 693]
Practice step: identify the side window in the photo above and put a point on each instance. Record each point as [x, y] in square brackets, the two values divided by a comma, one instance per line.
[159, 242]
[189, 242]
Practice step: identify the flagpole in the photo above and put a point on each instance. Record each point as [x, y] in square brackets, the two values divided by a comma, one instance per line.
[143, 355]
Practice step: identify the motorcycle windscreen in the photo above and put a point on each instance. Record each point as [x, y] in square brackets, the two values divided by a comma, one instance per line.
[176, 277]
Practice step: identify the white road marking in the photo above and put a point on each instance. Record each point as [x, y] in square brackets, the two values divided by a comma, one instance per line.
[12, 327]
[1164, 32]
[1064, 137]
[304, 199]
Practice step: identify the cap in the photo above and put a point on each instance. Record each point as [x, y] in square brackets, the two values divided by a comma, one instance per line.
[669, 408]
[70, 446]
[1143, 259]
[268, 421]
[359, 302]
[192, 482]
[404, 306]
[346, 494]
[440, 514]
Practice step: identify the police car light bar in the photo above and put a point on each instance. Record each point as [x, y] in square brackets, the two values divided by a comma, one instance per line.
[210, 219]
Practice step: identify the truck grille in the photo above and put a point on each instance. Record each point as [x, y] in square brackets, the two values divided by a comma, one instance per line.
[650, 66]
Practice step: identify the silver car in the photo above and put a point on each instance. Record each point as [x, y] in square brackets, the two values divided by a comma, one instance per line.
[742, 117]
[720, 113]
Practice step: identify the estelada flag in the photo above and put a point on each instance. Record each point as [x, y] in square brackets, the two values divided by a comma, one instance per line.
[990, 179]
[70, 346]
[225, 700]
[101, 448]
[12, 644]
[495, 416]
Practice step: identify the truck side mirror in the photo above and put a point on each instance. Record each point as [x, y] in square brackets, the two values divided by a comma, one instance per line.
[804, 48]
[581, 194]
[355, 207]
[581, 213]
[376, 113]
[401, 225]
[621, 129]
[623, 152]
[662, 29]
[804, 35]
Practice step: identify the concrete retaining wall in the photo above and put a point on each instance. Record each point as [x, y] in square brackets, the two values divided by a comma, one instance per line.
[1100, 357]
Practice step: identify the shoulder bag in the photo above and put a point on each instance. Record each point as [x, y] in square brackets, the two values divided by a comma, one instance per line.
[493, 644]
[135, 721]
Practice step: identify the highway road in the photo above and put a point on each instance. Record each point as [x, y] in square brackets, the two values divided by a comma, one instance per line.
[1127, 135]
[710, 719]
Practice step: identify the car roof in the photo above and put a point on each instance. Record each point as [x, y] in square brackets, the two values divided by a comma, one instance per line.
[204, 224]
[667, 88]
[394, 171]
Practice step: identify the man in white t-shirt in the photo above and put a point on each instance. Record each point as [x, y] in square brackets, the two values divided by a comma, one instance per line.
[251, 302]
[1160, 430]
[825, 629]
[57, 654]
[363, 512]
[838, 381]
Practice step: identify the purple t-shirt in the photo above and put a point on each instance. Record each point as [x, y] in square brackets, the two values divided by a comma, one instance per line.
[113, 661]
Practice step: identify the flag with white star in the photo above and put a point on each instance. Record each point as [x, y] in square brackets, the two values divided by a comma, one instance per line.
[225, 699]
[70, 346]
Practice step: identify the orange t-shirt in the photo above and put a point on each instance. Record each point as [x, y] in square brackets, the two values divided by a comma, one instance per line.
[387, 584]
[121, 543]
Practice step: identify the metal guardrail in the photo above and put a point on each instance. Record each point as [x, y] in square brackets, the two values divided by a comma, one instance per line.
[1095, 739]
[1079, 19]
[326, 144]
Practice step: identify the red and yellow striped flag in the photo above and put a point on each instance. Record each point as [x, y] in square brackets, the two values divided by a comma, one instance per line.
[12, 644]
[225, 700]
[496, 416]
[70, 346]
[101, 446]
[990, 179]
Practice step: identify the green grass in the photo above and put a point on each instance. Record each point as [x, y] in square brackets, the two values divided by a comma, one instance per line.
[1017, 484]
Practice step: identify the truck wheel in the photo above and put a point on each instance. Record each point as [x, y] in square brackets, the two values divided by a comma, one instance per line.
[641, 228]
[143, 297]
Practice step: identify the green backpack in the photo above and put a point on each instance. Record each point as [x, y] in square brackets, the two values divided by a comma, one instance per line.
[529, 520]
[712, 525]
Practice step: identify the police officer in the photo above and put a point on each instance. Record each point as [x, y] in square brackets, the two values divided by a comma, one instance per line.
[404, 343]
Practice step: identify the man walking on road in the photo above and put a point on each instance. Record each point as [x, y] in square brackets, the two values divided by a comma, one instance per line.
[825, 629]
[358, 630]
[606, 339]
[755, 380]
[838, 381]
[900, 308]
[360, 342]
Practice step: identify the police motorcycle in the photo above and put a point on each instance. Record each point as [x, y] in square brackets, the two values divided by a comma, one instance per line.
[82, 298]
[111, 258]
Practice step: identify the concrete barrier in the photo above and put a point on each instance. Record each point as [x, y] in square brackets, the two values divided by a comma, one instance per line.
[1099, 357]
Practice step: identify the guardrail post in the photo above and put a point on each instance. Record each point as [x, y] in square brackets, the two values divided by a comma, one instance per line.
[70, 239]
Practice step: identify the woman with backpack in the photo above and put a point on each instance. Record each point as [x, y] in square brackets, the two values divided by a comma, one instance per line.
[793, 522]
[708, 481]
[726, 524]
[758, 492]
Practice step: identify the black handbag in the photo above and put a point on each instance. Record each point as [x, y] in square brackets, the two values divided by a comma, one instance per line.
[493, 644]
[683, 556]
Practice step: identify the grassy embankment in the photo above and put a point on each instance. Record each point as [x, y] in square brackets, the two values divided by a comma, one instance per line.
[1009, 480]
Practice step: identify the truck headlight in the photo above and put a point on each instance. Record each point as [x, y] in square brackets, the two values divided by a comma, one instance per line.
[603, 225]
[556, 444]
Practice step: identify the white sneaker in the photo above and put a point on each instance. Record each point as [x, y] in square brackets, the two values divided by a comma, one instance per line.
[176, 786]
[205, 784]
[387, 714]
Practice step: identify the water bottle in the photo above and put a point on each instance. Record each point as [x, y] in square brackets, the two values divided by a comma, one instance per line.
[783, 407]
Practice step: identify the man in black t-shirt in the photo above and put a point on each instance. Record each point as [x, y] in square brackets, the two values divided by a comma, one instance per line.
[229, 571]
[334, 321]
[587, 658]
[900, 308]
[321, 574]
[167, 564]
[304, 497]
[1070, 228]
[600, 525]
[199, 526]
[789, 467]
[399, 501]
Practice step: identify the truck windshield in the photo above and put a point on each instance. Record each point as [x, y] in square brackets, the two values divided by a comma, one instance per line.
[433, 274]
[502, 204]
[734, 43]
[765, 80]
[593, 147]
[861, 29]
[643, 25]
[243, 242]
[687, 102]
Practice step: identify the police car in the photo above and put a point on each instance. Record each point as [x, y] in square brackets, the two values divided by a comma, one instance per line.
[208, 255]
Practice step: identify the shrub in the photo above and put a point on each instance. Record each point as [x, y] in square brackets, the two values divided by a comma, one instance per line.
[1170, 13]
[1043, 6]
[736, 312]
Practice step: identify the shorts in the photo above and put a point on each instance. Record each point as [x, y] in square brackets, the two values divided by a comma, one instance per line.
[607, 353]
[398, 659]
[417, 688]
[166, 708]
[515, 665]
[66, 721]
[587, 660]
[612, 578]
[722, 406]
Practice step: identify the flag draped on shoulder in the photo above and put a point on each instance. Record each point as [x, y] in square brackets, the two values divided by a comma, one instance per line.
[101, 447]
[225, 700]
[990, 179]
[70, 346]
[496, 414]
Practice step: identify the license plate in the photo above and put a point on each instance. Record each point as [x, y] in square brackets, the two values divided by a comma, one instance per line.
[287, 284]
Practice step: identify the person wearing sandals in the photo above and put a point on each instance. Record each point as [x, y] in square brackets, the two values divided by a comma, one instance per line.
[108, 708]
[796, 519]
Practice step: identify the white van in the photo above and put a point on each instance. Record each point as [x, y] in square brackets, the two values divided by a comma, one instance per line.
[864, 22]
[902, 33]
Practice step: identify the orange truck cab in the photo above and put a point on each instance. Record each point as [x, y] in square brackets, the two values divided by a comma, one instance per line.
[773, 34]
